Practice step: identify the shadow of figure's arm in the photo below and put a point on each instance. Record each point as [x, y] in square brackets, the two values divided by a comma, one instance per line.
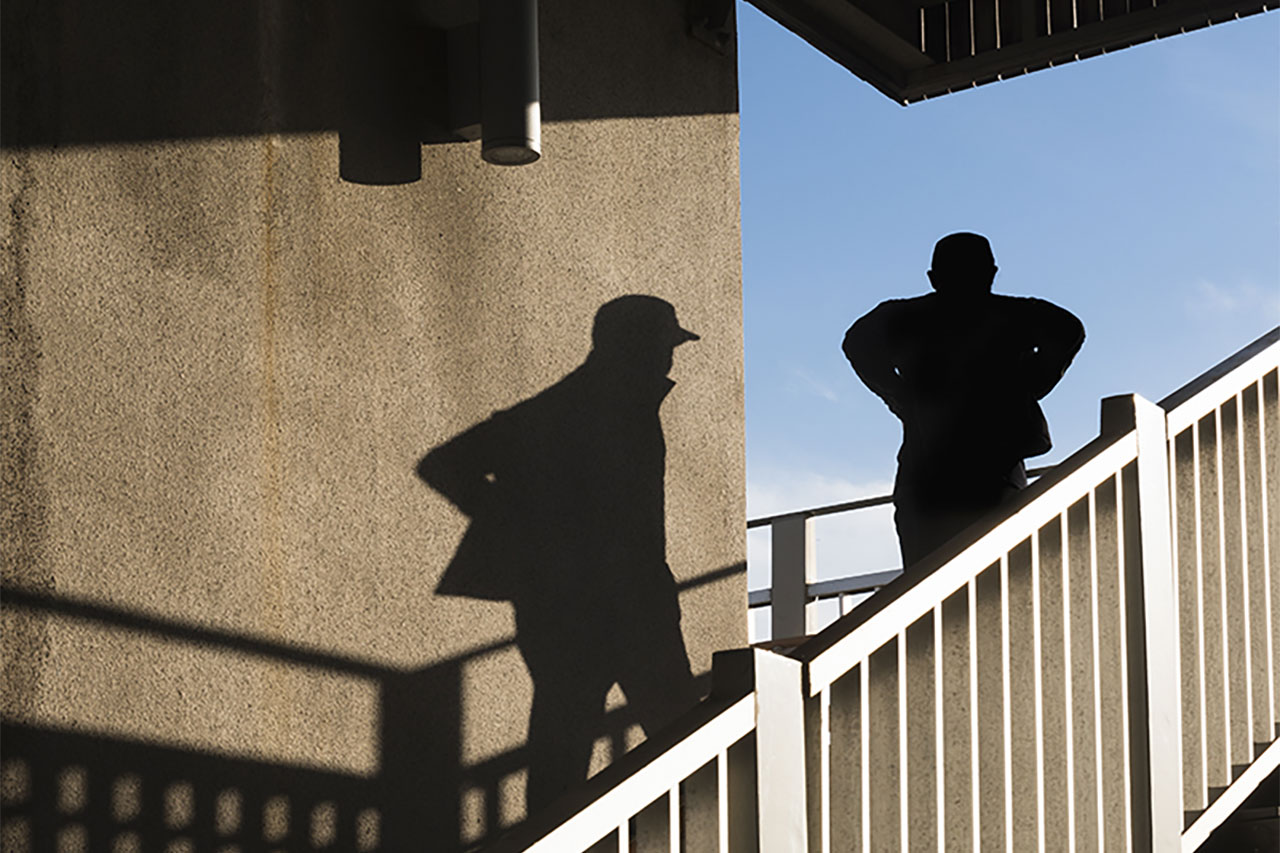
[867, 346]
[1056, 336]
[464, 468]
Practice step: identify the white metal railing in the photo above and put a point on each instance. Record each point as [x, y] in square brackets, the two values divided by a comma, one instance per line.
[1056, 680]
[1013, 666]
[1224, 463]
[691, 787]
[794, 590]
[1097, 670]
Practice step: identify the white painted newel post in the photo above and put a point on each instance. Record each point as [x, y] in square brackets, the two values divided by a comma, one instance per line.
[793, 571]
[780, 753]
[1155, 711]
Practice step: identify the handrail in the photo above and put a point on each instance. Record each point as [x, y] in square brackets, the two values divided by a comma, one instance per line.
[1251, 359]
[841, 645]
[1114, 552]
[793, 569]
[851, 585]
[846, 506]
[1038, 652]
[612, 798]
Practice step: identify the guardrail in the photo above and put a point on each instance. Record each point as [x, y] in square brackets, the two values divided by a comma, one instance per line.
[1096, 669]
[794, 587]
[1224, 463]
[1056, 679]
[691, 787]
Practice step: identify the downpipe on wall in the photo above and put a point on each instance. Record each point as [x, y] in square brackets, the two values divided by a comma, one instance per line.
[510, 100]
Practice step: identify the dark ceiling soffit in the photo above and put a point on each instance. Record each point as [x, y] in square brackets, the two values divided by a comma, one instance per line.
[901, 71]
[852, 38]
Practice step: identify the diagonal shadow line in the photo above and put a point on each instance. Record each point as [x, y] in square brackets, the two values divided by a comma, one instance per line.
[176, 630]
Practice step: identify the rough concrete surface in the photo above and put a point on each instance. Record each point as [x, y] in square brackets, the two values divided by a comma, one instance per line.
[222, 365]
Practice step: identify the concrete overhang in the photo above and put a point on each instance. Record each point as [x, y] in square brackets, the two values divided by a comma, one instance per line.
[916, 49]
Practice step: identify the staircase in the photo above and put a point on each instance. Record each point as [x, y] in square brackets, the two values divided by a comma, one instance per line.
[1096, 669]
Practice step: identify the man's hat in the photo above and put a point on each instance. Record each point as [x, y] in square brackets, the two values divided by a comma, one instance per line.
[637, 318]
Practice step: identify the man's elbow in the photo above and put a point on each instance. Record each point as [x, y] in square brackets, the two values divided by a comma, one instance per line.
[854, 346]
[427, 470]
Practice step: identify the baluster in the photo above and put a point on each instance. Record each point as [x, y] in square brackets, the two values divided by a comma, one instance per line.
[1255, 560]
[793, 571]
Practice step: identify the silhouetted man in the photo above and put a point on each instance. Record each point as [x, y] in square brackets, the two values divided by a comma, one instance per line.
[963, 369]
[566, 496]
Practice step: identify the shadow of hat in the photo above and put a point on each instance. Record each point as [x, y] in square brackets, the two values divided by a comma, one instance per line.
[638, 319]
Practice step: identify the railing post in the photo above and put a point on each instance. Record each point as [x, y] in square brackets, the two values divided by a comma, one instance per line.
[780, 753]
[793, 571]
[1155, 712]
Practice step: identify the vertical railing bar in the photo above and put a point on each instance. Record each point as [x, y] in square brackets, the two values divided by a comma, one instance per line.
[1096, 647]
[1175, 533]
[792, 555]
[939, 744]
[673, 817]
[722, 799]
[973, 26]
[1006, 687]
[1036, 654]
[1197, 504]
[1160, 700]
[999, 40]
[923, 46]
[864, 735]
[1243, 489]
[946, 27]
[825, 778]
[974, 778]
[1222, 599]
[1267, 544]
[903, 824]
[1067, 696]
[1122, 571]
[624, 836]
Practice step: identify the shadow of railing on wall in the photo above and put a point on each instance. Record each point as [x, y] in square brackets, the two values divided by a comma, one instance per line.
[71, 789]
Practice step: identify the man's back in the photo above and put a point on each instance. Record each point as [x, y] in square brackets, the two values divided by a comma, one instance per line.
[968, 370]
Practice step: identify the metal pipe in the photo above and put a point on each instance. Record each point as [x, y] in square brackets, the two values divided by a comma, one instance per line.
[510, 107]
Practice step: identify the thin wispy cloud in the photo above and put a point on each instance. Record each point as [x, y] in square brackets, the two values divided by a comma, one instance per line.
[1240, 298]
[809, 385]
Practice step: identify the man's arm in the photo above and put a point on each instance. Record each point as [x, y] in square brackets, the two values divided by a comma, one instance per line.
[464, 468]
[1056, 336]
[867, 345]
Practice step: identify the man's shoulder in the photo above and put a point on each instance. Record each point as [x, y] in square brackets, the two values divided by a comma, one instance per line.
[902, 307]
[1025, 302]
[1031, 305]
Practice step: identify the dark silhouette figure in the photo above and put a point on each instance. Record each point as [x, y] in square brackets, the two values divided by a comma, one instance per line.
[565, 492]
[963, 369]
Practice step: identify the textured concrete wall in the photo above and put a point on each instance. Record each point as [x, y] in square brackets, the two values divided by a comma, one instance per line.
[222, 366]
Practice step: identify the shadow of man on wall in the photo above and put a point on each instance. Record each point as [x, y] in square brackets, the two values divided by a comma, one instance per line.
[565, 492]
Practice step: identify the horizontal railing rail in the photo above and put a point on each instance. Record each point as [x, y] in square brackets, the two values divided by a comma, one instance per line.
[793, 568]
[847, 506]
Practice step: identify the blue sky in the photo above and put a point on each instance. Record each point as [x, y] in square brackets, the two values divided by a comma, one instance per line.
[1140, 190]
